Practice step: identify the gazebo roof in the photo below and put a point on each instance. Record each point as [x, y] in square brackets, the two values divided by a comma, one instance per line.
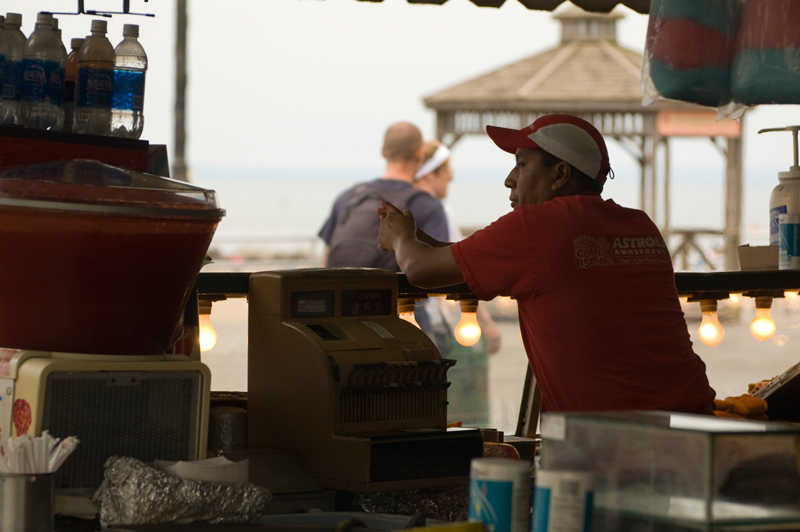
[571, 75]
[587, 71]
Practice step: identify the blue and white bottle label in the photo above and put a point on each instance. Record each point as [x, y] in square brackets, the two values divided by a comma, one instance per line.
[95, 88]
[789, 242]
[563, 501]
[774, 224]
[12, 81]
[128, 90]
[42, 81]
[500, 494]
[491, 502]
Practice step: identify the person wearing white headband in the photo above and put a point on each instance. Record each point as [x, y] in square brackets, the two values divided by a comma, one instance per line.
[468, 395]
[434, 177]
[435, 174]
[598, 308]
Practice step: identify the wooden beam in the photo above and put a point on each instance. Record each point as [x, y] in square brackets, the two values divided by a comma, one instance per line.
[733, 202]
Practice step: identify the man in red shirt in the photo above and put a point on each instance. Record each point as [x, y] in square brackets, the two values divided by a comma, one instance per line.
[598, 308]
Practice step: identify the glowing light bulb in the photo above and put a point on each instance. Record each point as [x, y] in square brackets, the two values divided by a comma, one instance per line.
[405, 309]
[208, 335]
[468, 332]
[763, 327]
[710, 331]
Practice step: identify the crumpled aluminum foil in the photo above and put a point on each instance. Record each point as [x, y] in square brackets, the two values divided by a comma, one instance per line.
[134, 493]
[446, 503]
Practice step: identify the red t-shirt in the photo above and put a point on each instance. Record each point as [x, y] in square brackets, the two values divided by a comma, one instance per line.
[598, 308]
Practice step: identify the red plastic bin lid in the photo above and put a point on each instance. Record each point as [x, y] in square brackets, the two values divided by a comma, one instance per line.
[85, 185]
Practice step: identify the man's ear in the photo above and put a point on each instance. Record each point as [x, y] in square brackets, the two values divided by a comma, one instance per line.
[420, 155]
[563, 173]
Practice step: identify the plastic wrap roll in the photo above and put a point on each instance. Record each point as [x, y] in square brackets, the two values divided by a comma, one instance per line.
[766, 68]
[689, 50]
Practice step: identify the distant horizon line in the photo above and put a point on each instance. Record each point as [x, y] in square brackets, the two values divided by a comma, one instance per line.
[752, 174]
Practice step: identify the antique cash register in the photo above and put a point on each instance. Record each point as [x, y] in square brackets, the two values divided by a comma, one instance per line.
[356, 394]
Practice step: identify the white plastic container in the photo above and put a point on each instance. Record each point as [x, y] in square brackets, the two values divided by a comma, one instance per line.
[563, 501]
[784, 210]
[500, 494]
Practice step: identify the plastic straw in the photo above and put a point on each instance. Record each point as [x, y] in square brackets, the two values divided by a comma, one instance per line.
[4, 464]
[61, 452]
[43, 454]
[28, 453]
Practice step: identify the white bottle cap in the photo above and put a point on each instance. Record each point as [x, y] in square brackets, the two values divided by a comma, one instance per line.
[14, 19]
[130, 30]
[99, 26]
[76, 42]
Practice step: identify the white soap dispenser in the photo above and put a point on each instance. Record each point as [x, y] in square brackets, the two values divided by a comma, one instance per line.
[784, 210]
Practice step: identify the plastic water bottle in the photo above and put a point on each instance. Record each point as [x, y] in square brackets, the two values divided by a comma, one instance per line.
[127, 113]
[58, 34]
[12, 76]
[43, 77]
[95, 85]
[70, 80]
[3, 51]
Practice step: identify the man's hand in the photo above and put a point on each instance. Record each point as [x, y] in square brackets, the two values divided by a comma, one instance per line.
[386, 208]
[395, 226]
[427, 263]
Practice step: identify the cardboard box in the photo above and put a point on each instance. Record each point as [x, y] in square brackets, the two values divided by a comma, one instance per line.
[758, 257]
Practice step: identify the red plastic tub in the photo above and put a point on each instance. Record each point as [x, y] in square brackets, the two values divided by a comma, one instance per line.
[96, 259]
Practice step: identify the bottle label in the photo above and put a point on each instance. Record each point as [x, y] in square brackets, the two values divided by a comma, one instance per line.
[774, 215]
[42, 81]
[789, 247]
[563, 501]
[2, 71]
[95, 88]
[12, 81]
[129, 90]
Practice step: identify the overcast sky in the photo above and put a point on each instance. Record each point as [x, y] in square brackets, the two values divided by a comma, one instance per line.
[313, 83]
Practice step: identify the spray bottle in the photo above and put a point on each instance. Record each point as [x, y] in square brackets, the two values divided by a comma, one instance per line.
[784, 211]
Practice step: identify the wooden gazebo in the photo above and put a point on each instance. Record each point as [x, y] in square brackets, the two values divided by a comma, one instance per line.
[590, 75]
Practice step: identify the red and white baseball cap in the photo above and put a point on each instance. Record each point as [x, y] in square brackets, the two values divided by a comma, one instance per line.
[567, 137]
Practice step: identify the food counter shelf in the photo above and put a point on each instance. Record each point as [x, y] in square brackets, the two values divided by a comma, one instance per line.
[233, 284]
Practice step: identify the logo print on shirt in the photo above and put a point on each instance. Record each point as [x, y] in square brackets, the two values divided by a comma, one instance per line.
[640, 250]
[591, 252]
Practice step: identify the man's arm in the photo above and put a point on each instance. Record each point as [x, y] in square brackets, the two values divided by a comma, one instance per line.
[427, 263]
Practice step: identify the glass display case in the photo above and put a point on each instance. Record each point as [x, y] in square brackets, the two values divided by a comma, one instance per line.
[680, 471]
